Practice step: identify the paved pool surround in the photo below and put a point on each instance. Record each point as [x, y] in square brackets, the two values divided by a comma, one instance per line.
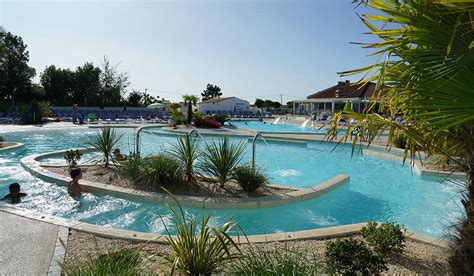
[32, 164]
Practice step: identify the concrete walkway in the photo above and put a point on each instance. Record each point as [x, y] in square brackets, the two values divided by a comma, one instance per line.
[26, 246]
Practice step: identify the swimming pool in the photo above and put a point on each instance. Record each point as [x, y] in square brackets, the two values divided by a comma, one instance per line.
[379, 189]
[269, 127]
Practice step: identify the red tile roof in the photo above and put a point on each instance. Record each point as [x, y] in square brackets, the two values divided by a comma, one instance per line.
[346, 90]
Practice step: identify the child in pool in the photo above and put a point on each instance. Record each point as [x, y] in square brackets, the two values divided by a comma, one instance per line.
[73, 188]
[15, 195]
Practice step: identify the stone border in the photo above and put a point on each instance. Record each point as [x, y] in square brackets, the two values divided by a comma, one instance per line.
[59, 251]
[319, 233]
[31, 164]
[7, 146]
[417, 166]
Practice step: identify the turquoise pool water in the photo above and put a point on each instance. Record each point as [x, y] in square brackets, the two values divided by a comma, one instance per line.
[379, 189]
[269, 127]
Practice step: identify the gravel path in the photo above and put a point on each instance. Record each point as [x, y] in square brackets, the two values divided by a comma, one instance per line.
[418, 258]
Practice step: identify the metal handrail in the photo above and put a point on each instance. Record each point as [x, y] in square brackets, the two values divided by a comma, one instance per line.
[137, 138]
[254, 148]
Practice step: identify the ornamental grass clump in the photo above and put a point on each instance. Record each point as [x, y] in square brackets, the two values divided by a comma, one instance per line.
[274, 262]
[187, 152]
[122, 262]
[199, 249]
[105, 141]
[220, 158]
[131, 167]
[160, 170]
[250, 178]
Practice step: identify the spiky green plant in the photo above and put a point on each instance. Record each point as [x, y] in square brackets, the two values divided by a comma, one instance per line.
[220, 158]
[424, 64]
[105, 141]
[289, 261]
[186, 150]
[200, 249]
[121, 262]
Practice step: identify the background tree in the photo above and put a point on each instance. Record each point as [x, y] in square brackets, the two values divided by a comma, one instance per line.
[211, 92]
[259, 103]
[57, 84]
[113, 83]
[148, 99]
[190, 101]
[289, 104]
[86, 85]
[135, 98]
[15, 74]
[426, 58]
[175, 106]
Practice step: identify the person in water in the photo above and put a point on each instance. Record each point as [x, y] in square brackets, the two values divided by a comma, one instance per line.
[15, 194]
[118, 155]
[73, 188]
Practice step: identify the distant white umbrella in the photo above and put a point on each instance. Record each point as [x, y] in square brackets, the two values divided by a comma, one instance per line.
[155, 105]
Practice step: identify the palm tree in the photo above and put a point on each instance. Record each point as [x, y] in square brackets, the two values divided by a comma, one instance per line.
[425, 64]
[190, 100]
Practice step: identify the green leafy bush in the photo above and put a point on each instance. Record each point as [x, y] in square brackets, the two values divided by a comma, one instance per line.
[199, 249]
[275, 262]
[105, 141]
[131, 167]
[121, 262]
[178, 117]
[250, 178]
[400, 141]
[221, 158]
[385, 239]
[72, 157]
[350, 256]
[161, 170]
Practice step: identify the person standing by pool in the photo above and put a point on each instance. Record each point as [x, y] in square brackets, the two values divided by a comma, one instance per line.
[73, 188]
[15, 195]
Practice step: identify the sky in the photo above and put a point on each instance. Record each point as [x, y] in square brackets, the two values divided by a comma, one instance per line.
[250, 48]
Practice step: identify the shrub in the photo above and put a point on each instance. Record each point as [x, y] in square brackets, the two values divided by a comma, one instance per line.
[385, 238]
[221, 158]
[200, 249]
[400, 141]
[207, 123]
[250, 178]
[121, 262]
[2, 139]
[72, 157]
[350, 256]
[220, 118]
[187, 152]
[105, 141]
[178, 117]
[131, 167]
[286, 262]
[161, 170]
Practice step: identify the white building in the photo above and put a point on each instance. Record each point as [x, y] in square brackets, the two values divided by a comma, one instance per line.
[230, 105]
